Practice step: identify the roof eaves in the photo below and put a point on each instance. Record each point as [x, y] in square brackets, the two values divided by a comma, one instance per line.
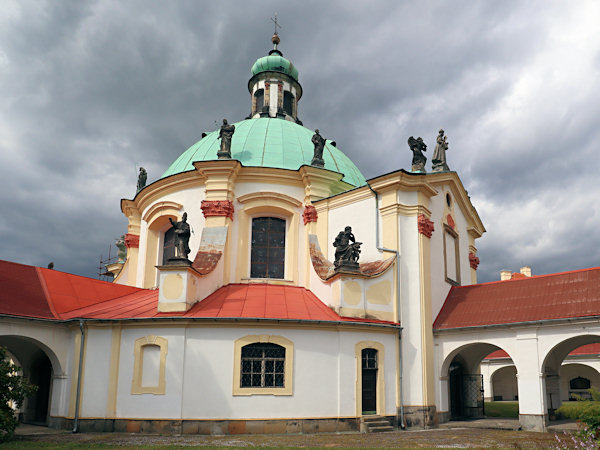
[595, 318]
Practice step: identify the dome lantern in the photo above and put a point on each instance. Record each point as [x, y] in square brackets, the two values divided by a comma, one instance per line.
[274, 86]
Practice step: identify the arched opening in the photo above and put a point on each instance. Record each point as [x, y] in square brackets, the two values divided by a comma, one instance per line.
[568, 368]
[36, 365]
[504, 384]
[288, 103]
[465, 380]
[259, 101]
[168, 247]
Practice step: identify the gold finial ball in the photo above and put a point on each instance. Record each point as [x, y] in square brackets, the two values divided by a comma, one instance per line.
[275, 39]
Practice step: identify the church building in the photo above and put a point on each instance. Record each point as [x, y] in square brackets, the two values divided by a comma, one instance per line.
[268, 287]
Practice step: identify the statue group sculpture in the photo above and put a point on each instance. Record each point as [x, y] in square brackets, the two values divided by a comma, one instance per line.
[122, 253]
[181, 241]
[142, 177]
[438, 160]
[419, 159]
[225, 134]
[347, 251]
[319, 143]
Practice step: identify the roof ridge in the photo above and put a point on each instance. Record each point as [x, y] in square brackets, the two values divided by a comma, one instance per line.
[44, 286]
[544, 275]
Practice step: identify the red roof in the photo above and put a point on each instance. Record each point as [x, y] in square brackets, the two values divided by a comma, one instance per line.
[27, 291]
[544, 297]
[588, 349]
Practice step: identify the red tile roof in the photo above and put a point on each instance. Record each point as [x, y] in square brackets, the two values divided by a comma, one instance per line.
[544, 297]
[27, 291]
[588, 349]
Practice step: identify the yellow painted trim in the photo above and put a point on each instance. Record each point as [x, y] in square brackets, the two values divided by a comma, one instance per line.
[261, 196]
[358, 348]
[73, 393]
[217, 419]
[113, 371]
[320, 183]
[160, 209]
[344, 199]
[267, 206]
[172, 307]
[369, 313]
[455, 235]
[153, 243]
[427, 370]
[288, 365]
[138, 365]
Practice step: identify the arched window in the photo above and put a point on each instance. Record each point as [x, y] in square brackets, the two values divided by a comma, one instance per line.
[288, 103]
[150, 354]
[263, 366]
[267, 257]
[579, 383]
[168, 245]
[259, 100]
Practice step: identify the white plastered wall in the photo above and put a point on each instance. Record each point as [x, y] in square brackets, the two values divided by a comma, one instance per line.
[360, 216]
[199, 374]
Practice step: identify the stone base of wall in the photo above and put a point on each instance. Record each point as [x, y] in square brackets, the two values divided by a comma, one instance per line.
[420, 416]
[444, 416]
[533, 422]
[216, 427]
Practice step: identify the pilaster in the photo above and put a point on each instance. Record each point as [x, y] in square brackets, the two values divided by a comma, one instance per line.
[320, 183]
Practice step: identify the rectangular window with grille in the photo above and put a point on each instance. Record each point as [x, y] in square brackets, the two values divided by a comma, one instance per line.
[262, 366]
[267, 257]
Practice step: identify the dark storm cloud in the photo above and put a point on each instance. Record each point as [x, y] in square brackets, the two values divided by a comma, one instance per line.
[91, 90]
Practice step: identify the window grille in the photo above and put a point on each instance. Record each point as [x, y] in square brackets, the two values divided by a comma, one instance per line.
[268, 248]
[369, 358]
[262, 366]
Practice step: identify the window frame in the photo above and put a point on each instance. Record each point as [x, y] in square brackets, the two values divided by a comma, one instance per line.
[285, 247]
[286, 389]
[380, 399]
[268, 204]
[449, 231]
[138, 365]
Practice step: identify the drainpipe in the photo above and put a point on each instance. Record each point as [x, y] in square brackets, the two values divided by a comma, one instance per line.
[397, 253]
[76, 422]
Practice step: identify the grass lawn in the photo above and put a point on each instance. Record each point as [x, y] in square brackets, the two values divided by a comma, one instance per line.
[502, 409]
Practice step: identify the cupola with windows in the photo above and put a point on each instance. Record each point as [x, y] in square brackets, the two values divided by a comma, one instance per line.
[274, 86]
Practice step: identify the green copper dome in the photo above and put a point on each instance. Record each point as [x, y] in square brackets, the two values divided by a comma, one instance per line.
[269, 142]
[275, 63]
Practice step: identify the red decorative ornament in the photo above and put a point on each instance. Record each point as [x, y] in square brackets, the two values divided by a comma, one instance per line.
[217, 208]
[473, 260]
[132, 240]
[310, 214]
[425, 225]
[450, 221]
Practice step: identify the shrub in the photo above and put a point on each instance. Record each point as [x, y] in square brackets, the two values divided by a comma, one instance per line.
[13, 390]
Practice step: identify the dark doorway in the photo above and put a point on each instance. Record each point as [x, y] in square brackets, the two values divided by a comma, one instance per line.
[168, 245]
[466, 392]
[40, 374]
[369, 381]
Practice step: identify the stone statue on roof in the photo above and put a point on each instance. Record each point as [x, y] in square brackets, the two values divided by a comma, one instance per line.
[225, 134]
[417, 146]
[319, 143]
[120, 243]
[347, 250]
[181, 240]
[438, 160]
[142, 177]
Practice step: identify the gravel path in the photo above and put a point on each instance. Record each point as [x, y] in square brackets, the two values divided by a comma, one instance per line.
[434, 438]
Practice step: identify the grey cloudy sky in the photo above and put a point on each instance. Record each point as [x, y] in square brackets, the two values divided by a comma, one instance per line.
[91, 90]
